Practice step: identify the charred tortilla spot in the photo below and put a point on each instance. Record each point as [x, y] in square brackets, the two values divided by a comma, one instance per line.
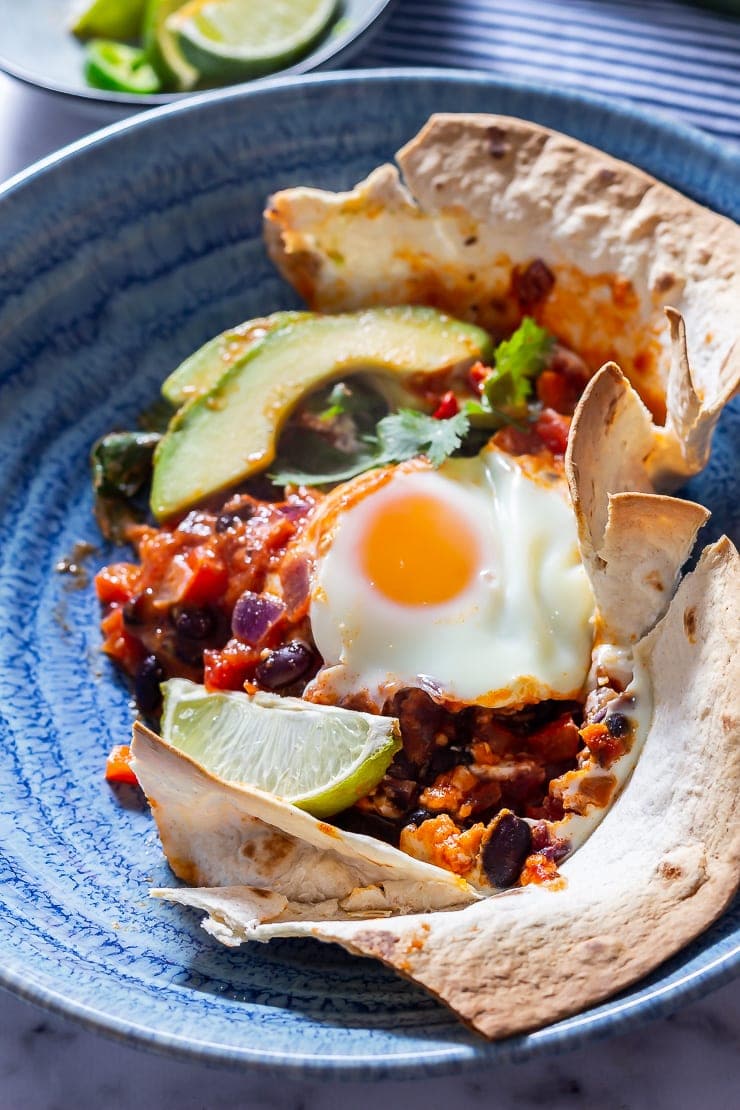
[532, 283]
[376, 943]
[685, 868]
[689, 625]
[498, 143]
[504, 849]
[274, 849]
[602, 949]
[664, 282]
[653, 579]
[605, 178]
[470, 241]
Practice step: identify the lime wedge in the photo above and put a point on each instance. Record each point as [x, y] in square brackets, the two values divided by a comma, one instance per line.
[320, 758]
[230, 40]
[163, 49]
[109, 19]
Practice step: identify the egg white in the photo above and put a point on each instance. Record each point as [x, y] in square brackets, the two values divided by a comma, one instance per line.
[520, 631]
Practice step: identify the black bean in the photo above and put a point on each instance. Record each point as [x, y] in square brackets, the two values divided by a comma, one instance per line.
[419, 816]
[232, 518]
[505, 847]
[135, 610]
[195, 624]
[284, 665]
[618, 724]
[148, 676]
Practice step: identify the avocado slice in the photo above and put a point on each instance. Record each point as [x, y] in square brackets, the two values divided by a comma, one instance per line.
[230, 432]
[206, 366]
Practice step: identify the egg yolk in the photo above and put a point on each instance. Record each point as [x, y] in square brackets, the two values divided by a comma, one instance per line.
[417, 551]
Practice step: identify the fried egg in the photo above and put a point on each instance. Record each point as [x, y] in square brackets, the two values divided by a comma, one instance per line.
[465, 581]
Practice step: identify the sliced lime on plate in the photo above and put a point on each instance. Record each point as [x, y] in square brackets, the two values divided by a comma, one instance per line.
[163, 48]
[320, 758]
[109, 19]
[229, 40]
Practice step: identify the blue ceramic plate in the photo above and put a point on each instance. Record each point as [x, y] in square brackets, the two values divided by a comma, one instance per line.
[120, 256]
[37, 46]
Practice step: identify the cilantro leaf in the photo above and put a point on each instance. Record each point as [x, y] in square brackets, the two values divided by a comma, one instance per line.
[358, 465]
[518, 360]
[407, 433]
[399, 436]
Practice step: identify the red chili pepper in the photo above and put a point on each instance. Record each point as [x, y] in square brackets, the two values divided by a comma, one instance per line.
[118, 767]
[447, 406]
[477, 375]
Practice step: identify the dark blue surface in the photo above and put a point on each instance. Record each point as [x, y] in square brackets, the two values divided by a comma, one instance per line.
[121, 256]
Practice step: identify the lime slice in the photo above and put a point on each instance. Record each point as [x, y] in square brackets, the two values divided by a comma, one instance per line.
[110, 19]
[229, 40]
[163, 49]
[320, 758]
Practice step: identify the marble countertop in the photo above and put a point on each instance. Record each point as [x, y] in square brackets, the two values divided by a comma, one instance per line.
[686, 1061]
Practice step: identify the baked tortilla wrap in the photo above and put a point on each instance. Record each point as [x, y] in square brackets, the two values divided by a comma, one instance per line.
[496, 217]
[490, 206]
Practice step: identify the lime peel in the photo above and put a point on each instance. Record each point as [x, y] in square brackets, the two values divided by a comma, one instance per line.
[319, 758]
[233, 39]
[109, 19]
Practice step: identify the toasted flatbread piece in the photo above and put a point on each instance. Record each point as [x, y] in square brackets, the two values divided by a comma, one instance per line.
[223, 834]
[633, 542]
[489, 211]
[661, 867]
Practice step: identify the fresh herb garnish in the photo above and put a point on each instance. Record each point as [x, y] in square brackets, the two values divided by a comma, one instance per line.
[403, 435]
[121, 465]
[399, 436]
[408, 433]
[516, 362]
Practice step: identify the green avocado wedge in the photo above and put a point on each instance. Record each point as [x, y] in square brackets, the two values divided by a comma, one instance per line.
[206, 366]
[230, 432]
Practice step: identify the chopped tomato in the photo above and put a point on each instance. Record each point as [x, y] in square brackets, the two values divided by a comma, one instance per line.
[518, 441]
[208, 578]
[538, 869]
[118, 766]
[117, 583]
[119, 644]
[447, 406]
[603, 746]
[231, 667]
[557, 741]
[552, 428]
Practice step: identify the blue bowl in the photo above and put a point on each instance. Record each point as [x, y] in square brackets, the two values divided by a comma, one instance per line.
[120, 255]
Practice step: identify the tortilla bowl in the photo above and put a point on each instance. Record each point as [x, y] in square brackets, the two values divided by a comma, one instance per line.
[480, 188]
